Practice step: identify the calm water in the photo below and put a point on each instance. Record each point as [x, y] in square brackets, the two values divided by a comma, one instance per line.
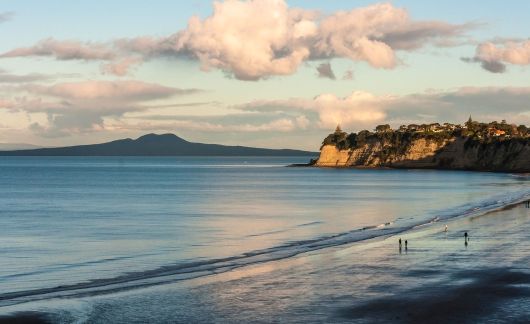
[69, 221]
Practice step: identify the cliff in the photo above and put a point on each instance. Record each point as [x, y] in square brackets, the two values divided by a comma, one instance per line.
[449, 150]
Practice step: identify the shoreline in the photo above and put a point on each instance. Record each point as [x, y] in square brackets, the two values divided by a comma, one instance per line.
[361, 167]
[167, 276]
[436, 279]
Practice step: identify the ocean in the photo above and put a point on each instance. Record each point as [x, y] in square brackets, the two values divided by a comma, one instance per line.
[125, 239]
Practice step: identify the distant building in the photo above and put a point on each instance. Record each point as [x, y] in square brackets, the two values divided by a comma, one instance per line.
[492, 131]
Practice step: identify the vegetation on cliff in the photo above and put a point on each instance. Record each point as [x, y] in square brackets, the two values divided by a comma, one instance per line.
[474, 132]
[473, 146]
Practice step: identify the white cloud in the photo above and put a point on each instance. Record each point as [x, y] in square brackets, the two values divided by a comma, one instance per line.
[281, 125]
[121, 67]
[493, 56]
[64, 50]
[127, 90]
[256, 39]
[242, 38]
[365, 110]
[356, 110]
[509, 52]
[77, 107]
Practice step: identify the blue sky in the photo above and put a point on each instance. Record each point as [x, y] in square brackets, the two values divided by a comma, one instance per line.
[66, 76]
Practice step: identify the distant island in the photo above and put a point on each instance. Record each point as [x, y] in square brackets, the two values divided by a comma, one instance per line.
[494, 146]
[155, 145]
[17, 146]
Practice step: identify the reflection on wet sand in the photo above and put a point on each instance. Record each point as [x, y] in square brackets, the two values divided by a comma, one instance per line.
[354, 282]
[437, 280]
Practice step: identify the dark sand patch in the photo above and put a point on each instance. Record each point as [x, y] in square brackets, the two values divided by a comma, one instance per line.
[25, 318]
[481, 295]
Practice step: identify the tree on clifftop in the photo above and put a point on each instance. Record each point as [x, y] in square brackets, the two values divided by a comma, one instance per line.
[382, 128]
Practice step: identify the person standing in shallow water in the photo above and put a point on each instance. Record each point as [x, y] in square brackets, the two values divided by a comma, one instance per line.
[406, 245]
[466, 237]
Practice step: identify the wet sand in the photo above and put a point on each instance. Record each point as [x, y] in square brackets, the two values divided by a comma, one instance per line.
[25, 318]
[438, 279]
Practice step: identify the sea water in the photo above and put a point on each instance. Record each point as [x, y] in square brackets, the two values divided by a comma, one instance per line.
[78, 223]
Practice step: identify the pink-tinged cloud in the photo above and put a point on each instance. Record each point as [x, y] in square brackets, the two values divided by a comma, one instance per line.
[78, 107]
[356, 110]
[6, 104]
[250, 39]
[363, 110]
[495, 56]
[256, 39]
[121, 67]
[282, 125]
[118, 90]
[259, 38]
[64, 50]
[510, 52]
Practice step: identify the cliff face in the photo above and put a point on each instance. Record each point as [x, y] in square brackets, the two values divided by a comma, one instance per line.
[458, 153]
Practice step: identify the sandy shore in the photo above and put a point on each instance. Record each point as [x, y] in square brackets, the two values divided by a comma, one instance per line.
[438, 279]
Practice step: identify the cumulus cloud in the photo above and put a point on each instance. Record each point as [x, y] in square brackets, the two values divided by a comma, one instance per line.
[250, 39]
[356, 110]
[493, 56]
[64, 124]
[277, 46]
[256, 39]
[77, 107]
[313, 118]
[294, 122]
[325, 71]
[483, 103]
[365, 110]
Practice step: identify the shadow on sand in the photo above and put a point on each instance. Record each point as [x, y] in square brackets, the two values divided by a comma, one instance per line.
[481, 295]
[25, 318]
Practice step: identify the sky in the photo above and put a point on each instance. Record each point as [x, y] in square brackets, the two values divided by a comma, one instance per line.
[266, 73]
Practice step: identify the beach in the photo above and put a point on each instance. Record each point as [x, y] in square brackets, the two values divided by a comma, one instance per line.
[437, 279]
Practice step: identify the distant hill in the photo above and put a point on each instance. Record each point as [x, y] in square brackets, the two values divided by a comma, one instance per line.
[156, 145]
[17, 146]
